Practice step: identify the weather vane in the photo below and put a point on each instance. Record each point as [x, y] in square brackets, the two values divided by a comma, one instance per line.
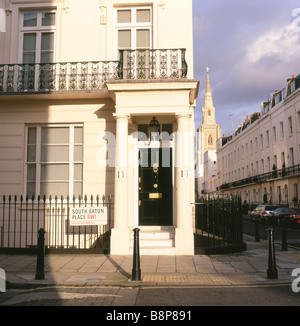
[207, 69]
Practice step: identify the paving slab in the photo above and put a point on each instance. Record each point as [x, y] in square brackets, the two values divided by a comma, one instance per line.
[248, 267]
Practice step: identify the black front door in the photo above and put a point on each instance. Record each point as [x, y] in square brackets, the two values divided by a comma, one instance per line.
[155, 187]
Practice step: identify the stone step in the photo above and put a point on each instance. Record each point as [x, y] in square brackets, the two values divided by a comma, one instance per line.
[156, 240]
[157, 251]
[146, 235]
[148, 243]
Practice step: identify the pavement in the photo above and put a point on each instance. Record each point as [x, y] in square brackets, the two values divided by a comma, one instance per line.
[246, 268]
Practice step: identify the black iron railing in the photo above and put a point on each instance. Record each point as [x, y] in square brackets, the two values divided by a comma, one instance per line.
[153, 64]
[50, 77]
[218, 225]
[21, 218]
[275, 174]
[92, 76]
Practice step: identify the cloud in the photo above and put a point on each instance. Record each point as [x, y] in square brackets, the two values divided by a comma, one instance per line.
[280, 43]
[252, 47]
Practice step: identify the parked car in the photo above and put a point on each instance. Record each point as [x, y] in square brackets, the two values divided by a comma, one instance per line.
[262, 212]
[290, 215]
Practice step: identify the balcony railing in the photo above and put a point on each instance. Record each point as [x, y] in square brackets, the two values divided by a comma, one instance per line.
[275, 174]
[89, 76]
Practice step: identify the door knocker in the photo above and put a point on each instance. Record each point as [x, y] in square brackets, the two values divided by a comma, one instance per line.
[155, 168]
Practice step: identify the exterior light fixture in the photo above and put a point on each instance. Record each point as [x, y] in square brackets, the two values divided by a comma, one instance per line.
[154, 128]
[154, 125]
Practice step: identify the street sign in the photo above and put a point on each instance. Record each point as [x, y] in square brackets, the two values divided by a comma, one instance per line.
[84, 216]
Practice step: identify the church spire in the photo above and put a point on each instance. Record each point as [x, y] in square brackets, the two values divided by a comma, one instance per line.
[208, 111]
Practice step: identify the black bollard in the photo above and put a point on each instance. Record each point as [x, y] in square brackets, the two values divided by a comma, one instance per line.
[136, 270]
[257, 238]
[272, 270]
[284, 237]
[40, 274]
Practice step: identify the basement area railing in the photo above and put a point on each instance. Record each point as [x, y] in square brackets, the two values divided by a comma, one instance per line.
[70, 223]
[218, 225]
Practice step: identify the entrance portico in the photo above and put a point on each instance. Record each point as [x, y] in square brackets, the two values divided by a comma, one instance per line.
[153, 189]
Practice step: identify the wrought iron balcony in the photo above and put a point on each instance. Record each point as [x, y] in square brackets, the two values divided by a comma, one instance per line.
[275, 174]
[92, 76]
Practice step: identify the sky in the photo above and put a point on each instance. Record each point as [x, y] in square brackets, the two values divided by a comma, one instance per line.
[251, 47]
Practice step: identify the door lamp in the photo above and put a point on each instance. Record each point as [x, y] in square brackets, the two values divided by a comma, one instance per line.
[154, 128]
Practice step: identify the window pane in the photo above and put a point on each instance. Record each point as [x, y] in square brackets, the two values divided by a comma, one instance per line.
[78, 135]
[143, 130]
[143, 38]
[29, 43]
[48, 19]
[55, 172]
[31, 145]
[54, 189]
[31, 136]
[293, 86]
[55, 153]
[124, 39]
[77, 189]
[29, 57]
[47, 57]
[30, 19]
[31, 150]
[124, 16]
[31, 169]
[29, 46]
[47, 47]
[78, 157]
[143, 16]
[47, 41]
[30, 189]
[53, 135]
[167, 130]
[78, 172]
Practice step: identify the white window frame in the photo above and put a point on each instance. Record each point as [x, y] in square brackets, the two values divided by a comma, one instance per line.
[298, 120]
[274, 134]
[38, 162]
[281, 130]
[290, 126]
[291, 156]
[39, 29]
[133, 26]
[269, 164]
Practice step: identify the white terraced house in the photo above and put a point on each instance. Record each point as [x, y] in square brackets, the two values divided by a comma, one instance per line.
[97, 97]
[261, 160]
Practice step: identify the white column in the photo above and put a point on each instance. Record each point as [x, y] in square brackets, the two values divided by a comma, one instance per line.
[120, 232]
[184, 241]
